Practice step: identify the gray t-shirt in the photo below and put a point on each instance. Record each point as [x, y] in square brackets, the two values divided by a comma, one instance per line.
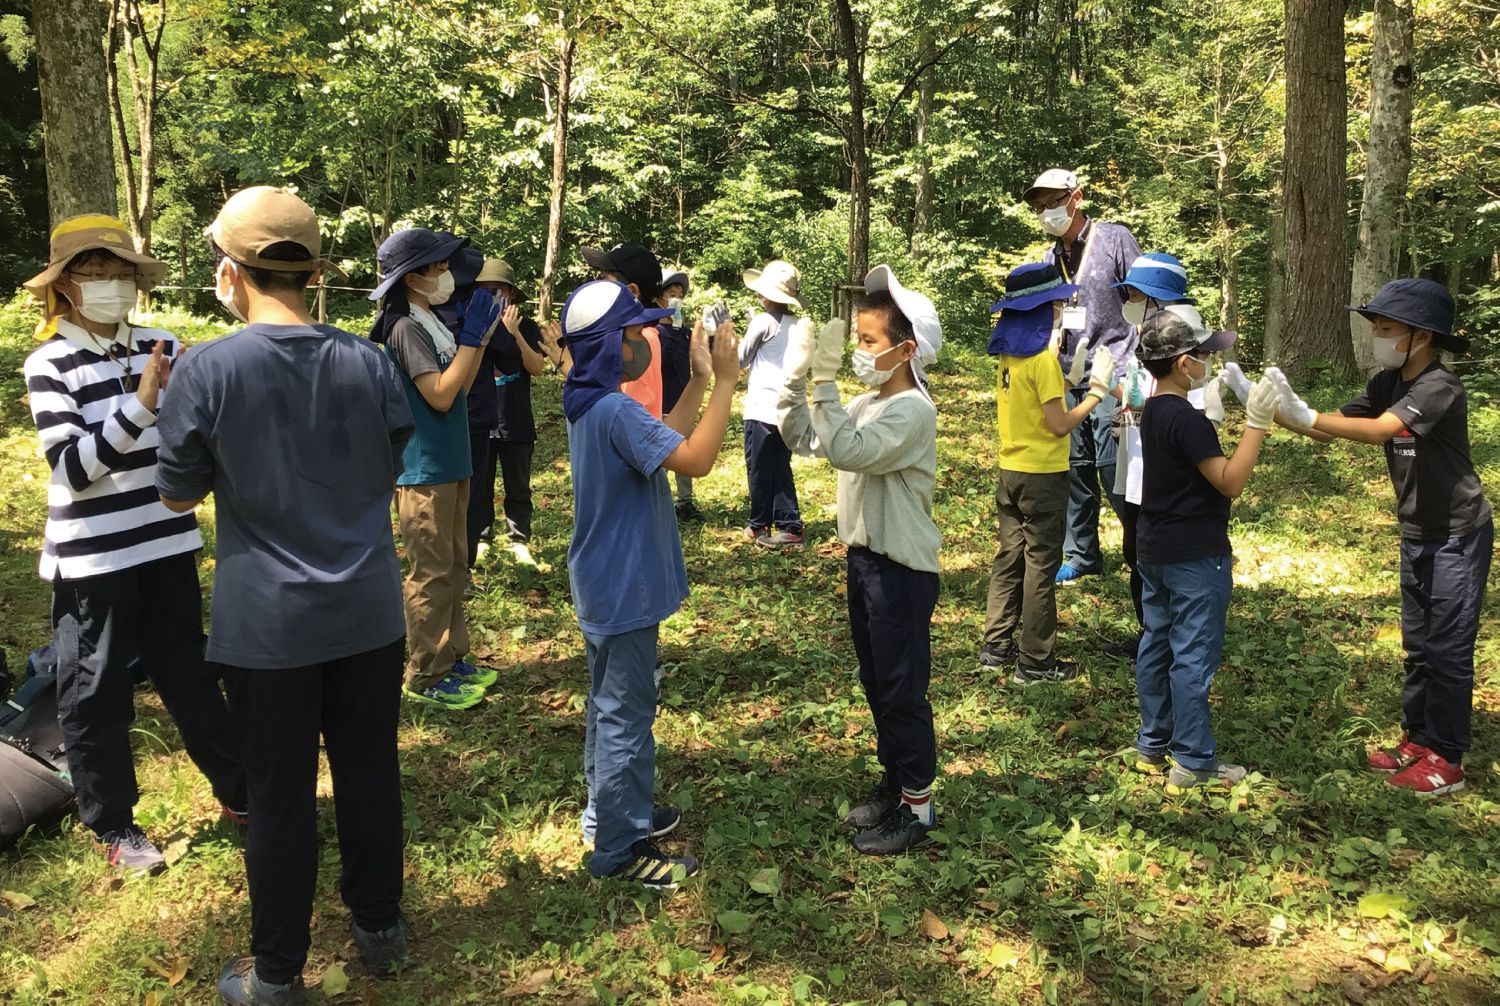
[298, 432]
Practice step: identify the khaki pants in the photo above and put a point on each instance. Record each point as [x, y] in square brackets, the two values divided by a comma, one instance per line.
[1033, 515]
[433, 530]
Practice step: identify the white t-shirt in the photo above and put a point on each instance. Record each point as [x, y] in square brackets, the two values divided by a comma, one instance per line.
[762, 350]
[1130, 474]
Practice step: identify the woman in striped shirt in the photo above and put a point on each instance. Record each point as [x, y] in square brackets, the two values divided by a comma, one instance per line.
[122, 567]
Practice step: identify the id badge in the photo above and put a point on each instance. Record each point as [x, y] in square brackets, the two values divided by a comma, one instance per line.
[1075, 319]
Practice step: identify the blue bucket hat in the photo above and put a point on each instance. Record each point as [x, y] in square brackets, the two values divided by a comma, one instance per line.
[594, 320]
[1157, 275]
[411, 249]
[1025, 324]
[1420, 303]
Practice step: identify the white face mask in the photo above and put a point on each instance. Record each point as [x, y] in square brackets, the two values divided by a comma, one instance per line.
[106, 301]
[1134, 312]
[1057, 220]
[1388, 352]
[1194, 383]
[863, 362]
[224, 289]
[444, 288]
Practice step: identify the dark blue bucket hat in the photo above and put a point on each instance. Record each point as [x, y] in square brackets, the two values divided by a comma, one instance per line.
[465, 263]
[411, 249]
[1157, 275]
[1032, 284]
[1420, 303]
[1024, 327]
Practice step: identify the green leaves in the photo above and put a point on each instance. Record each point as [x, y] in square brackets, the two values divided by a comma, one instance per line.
[733, 923]
[1379, 905]
[767, 881]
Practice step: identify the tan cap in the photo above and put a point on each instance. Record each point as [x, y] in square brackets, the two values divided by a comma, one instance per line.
[86, 232]
[256, 218]
[497, 270]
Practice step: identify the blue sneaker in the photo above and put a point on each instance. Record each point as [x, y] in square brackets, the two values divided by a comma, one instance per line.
[239, 985]
[469, 674]
[448, 693]
[1067, 574]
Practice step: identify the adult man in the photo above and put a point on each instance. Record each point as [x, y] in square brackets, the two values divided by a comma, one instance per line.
[298, 430]
[1093, 254]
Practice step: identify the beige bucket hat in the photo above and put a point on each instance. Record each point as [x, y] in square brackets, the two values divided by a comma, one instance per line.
[779, 281]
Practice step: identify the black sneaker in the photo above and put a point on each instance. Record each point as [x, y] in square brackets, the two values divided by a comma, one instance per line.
[383, 952]
[1001, 654]
[876, 807]
[688, 510]
[1125, 649]
[655, 869]
[1061, 670]
[239, 985]
[898, 832]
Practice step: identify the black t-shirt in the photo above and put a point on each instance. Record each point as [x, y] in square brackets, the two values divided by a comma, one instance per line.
[500, 400]
[1438, 496]
[676, 362]
[1183, 517]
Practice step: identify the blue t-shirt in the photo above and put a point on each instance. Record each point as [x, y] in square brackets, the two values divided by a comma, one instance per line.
[625, 561]
[438, 451]
[298, 431]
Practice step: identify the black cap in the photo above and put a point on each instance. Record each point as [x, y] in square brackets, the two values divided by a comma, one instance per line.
[632, 261]
[1420, 303]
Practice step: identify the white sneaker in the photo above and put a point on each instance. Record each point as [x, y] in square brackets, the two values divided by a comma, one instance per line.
[522, 553]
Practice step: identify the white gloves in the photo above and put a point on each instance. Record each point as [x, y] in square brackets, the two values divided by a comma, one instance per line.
[1101, 372]
[1294, 411]
[1213, 400]
[801, 343]
[1080, 359]
[1261, 404]
[828, 354]
[1235, 378]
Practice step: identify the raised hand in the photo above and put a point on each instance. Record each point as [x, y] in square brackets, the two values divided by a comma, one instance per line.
[1213, 400]
[698, 353]
[1080, 360]
[1236, 381]
[828, 357]
[153, 376]
[1263, 401]
[801, 345]
[511, 319]
[1294, 411]
[726, 354]
[1101, 372]
[477, 319]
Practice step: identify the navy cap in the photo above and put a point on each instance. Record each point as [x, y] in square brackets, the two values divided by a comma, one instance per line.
[1032, 284]
[1420, 303]
[413, 248]
[632, 261]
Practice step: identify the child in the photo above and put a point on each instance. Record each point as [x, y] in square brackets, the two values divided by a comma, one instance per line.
[1032, 496]
[885, 448]
[625, 561]
[676, 370]
[1416, 408]
[775, 520]
[432, 492]
[1183, 549]
[123, 569]
[636, 267]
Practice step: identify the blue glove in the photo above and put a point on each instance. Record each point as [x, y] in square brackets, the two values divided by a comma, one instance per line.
[477, 318]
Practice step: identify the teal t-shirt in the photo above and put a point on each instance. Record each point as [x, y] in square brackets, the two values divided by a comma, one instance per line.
[438, 450]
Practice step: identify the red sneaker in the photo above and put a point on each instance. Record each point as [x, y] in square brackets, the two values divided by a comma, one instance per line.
[1397, 758]
[1432, 775]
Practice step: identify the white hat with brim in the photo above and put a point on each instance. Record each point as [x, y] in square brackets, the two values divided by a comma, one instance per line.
[918, 310]
[1051, 180]
[779, 282]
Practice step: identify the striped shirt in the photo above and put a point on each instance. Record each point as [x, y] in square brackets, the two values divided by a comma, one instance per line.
[103, 512]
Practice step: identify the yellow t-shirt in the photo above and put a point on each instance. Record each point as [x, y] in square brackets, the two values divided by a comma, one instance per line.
[1022, 385]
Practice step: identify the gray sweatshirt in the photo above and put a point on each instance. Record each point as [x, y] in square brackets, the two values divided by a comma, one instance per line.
[886, 454]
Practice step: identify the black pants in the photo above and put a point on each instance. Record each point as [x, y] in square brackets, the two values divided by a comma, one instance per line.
[513, 462]
[99, 624]
[890, 617]
[1442, 592]
[352, 704]
[773, 493]
[1130, 515]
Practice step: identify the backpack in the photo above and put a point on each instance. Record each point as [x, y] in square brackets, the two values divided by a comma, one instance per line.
[34, 785]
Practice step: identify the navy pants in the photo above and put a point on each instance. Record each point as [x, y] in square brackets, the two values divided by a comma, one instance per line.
[890, 617]
[1442, 590]
[773, 494]
[351, 704]
[1091, 464]
[512, 462]
[619, 749]
[100, 623]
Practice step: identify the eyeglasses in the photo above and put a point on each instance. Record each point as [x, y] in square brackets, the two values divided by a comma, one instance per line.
[103, 275]
[1053, 203]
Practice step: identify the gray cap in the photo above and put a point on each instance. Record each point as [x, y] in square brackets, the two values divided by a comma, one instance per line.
[1053, 178]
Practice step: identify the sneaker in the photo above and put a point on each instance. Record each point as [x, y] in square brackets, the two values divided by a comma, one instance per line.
[664, 821]
[130, 851]
[781, 539]
[239, 820]
[876, 808]
[469, 674]
[521, 553]
[688, 510]
[383, 952]
[448, 693]
[481, 553]
[239, 985]
[655, 869]
[1001, 654]
[1397, 758]
[1067, 573]
[1061, 670]
[1125, 649]
[756, 533]
[1150, 763]
[1180, 780]
[899, 831]
[1431, 775]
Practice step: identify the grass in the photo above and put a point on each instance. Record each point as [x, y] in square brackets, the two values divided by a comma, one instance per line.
[1059, 875]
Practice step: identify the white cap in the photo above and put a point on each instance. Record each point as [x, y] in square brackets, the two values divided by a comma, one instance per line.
[1053, 178]
[918, 310]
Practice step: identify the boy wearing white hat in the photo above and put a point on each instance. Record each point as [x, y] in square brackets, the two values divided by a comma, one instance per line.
[775, 518]
[884, 444]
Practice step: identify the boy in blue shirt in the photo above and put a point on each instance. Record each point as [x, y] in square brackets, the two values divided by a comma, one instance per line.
[625, 560]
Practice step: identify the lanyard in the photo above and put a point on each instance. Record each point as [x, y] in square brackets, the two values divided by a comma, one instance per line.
[120, 356]
[1083, 263]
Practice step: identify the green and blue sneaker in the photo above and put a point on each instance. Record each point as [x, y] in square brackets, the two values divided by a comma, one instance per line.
[470, 674]
[448, 693]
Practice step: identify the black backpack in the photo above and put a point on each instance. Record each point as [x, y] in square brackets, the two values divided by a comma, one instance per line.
[34, 785]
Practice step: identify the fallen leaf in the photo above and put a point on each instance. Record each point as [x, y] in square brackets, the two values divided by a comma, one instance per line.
[153, 965]
[988, 906]
[335, 981]
[717, 953]
[179, 971]
[1397, 960]
[1067, 727]
[16, 900]
[933, 927]
[1002, 956]
[152, 999]
[530, 985]
[174, 852]
[1379, 905]
[1353, 991]
[767, 881]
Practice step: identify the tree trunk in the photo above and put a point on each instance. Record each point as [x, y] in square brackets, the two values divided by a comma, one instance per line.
[1314, 175]
[1275, 288]
[1229, 263]
[857, 140]
[926, 94]
[559, 177]
[71, 72]
[1387, 167]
